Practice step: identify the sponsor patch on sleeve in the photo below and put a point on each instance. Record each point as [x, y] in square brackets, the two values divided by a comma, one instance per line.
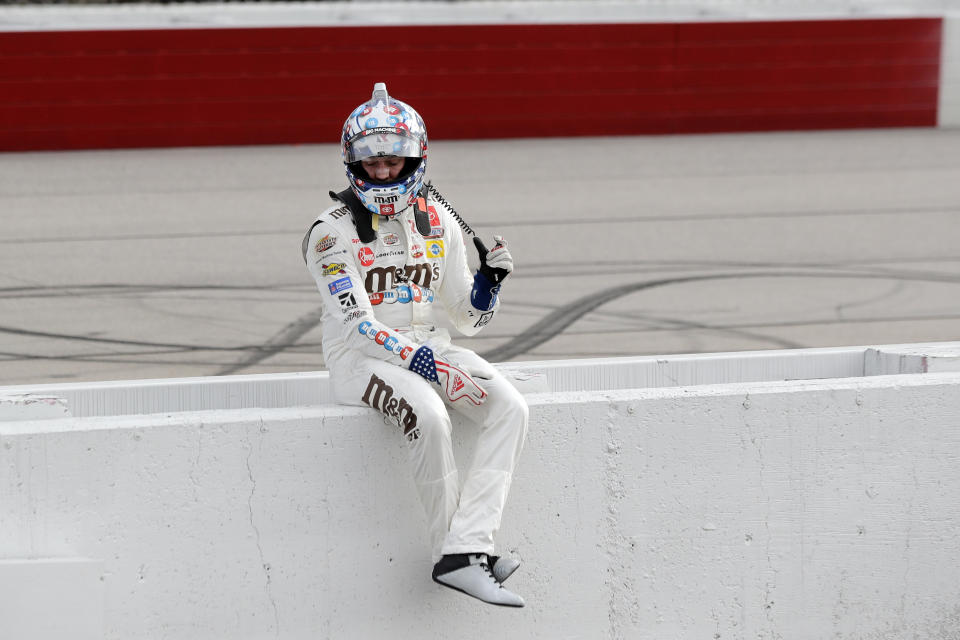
[384, 338]
[353, 315]
[325, 243]
[340, 285]
[347, 301]
[484, 319]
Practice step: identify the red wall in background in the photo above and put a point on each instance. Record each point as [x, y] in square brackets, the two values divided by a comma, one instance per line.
[102, 89]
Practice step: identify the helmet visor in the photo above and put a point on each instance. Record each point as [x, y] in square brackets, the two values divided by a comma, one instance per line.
[384, 141]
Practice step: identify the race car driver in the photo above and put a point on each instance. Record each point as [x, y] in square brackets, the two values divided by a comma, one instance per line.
[387, 257]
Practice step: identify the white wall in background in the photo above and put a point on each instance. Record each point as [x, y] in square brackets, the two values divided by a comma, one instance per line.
[949, 107]
[212, 15]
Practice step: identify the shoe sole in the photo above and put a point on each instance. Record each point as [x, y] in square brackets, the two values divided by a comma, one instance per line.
[497, 604]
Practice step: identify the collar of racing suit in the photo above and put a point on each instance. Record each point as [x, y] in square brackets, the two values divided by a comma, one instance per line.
[363, 217]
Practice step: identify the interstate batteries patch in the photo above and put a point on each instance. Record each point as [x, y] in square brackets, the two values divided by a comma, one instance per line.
[325, 243]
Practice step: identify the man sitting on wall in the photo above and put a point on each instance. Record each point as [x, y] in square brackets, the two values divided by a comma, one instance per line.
[382, 257]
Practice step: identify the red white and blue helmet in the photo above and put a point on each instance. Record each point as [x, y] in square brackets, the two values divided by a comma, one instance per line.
[385, 126]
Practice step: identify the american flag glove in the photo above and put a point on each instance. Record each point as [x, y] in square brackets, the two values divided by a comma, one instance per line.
[455, 382]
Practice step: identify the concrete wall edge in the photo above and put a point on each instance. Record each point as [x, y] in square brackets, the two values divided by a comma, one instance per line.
[267, 416]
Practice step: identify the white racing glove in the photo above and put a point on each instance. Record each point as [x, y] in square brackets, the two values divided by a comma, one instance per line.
[456, 383]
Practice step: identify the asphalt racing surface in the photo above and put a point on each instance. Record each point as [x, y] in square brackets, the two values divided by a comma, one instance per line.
[186, 262]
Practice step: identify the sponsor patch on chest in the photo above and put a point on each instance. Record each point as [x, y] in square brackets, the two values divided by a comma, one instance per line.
[435, 248]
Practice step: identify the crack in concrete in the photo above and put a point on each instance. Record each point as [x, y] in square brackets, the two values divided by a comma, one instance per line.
[194, 470]
[622, 603]
[770, 584]
[256, 535]
[908, 541]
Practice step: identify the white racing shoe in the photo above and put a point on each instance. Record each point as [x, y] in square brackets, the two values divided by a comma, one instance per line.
[469, 573]
[502, 567]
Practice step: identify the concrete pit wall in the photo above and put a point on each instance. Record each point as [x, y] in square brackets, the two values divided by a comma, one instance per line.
[750, 509]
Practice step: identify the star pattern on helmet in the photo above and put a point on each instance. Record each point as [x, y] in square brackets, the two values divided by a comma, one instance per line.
[423, 364]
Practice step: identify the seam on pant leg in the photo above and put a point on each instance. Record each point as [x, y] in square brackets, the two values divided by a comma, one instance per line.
[441, 478]
[439, 508]
[483, 496]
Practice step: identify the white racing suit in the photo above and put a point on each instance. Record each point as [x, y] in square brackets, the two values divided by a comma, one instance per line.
[378, 309]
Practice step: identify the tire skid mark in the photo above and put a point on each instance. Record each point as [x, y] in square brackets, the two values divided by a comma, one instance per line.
[560, 319]
[61, 291]
[286, 337]
[130, 343]
[554, 323]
